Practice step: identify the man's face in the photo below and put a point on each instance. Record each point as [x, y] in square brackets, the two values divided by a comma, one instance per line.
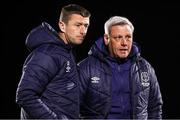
[76, 28]
[119, 41]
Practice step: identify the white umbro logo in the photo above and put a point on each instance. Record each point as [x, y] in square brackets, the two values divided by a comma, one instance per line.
[68, 68]
[95, 80]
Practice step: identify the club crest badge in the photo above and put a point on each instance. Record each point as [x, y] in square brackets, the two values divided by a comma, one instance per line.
[145, 79]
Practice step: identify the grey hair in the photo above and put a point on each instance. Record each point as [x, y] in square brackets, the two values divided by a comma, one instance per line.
[117, 20]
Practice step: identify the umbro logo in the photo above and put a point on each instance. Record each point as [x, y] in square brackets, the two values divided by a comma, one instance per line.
[68, 68]
[95, 80]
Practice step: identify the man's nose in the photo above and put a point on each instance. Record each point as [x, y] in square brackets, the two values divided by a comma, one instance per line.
[123, 41]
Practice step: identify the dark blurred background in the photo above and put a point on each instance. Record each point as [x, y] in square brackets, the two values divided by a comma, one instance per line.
[157, 30]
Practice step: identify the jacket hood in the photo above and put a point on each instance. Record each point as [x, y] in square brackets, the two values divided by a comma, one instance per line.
[43, 34]
[100, 50]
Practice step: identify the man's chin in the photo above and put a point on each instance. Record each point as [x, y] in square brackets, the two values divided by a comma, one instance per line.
[123, 56]
[79, 42]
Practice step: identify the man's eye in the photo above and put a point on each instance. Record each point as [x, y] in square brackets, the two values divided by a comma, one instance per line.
[118, 37]
[86, 25]
[128, 36]
[78, 25]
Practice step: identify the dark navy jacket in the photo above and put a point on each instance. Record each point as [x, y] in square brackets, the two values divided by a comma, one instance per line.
[48, 87]
[95, 86]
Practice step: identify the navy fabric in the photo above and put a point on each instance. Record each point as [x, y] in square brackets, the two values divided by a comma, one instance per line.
[48, 88]
[120, 103]
[96, 81]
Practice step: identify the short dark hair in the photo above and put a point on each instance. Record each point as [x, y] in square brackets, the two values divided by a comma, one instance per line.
[70, 9]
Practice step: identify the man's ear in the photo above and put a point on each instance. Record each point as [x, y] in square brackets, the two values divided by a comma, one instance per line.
[106, 39]
[61, 26]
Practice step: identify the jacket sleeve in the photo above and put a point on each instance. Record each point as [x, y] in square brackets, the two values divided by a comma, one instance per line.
[83, 84]
[155, 99]
[37, 72]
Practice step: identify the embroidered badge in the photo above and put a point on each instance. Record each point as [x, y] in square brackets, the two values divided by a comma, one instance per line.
[145, 79]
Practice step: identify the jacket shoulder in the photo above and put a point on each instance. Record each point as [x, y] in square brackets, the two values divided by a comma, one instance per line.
[52, 50]
[89, 61]
[144, 63]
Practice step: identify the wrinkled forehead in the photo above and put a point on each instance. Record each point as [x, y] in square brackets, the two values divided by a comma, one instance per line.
[120, 28]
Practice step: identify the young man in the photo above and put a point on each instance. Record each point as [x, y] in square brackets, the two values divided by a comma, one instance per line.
[48, 88]
[115, 81]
